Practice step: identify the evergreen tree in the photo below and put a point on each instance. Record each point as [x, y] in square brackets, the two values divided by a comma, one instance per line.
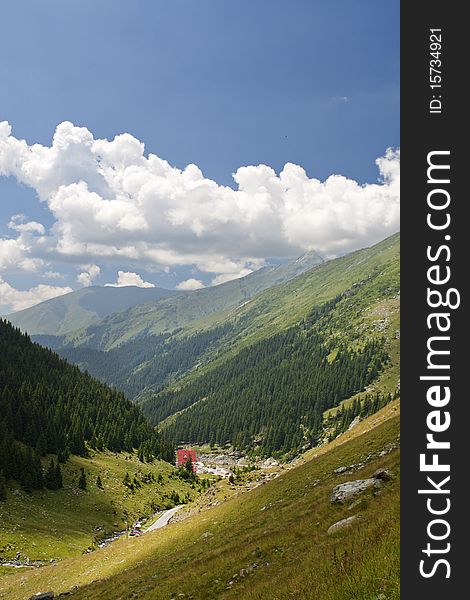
[127, 480]
[27, 481]
[63, 455]
[58, 477]
[50, 478]
[188, 466]
[99, 483]
[41, 444]
[82, 479]
[3, 487]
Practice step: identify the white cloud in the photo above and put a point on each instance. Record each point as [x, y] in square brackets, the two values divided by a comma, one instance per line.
[52, 275]
[113, 204]
[224, 277]
[125, 278]
[12, 299]
[89, 273]
[15, 255]
[190, 284]
[18, 223]
[20, 253]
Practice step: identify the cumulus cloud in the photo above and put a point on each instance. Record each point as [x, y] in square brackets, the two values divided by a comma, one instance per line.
[52, 275]
[114, 204]
[126, 278]
[190, 284]
[15, 255]
[89, 273]
[224, 277]
[14, 299]
[18, 223]
[22, 253]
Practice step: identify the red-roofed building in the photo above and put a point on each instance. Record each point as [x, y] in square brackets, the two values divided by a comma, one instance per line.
[184, 455]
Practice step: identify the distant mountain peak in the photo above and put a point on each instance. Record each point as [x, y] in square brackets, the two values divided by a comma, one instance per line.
[310, 256]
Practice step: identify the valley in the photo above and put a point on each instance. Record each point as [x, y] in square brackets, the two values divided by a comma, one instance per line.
[287, 384]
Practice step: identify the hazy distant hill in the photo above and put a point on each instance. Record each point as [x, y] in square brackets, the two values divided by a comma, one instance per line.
[82, 308]
[182, 310]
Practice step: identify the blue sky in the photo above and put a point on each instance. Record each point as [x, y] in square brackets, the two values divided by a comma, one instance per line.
[216, 83]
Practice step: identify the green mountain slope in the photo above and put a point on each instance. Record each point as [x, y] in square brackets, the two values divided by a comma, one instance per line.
[82, 308]
[270, 395]
[48, 406]
[262, 374]
[169, 314]
[141, 366]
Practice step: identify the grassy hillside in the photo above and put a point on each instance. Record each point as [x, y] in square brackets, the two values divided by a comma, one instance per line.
[282, 306]
[291, 355]
[82, 308]
[269, 543]
[45, 525]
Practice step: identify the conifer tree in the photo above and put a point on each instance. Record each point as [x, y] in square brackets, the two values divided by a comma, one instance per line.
[50, 480]
[3, 487]
[58, 477]
[63, 454]
[82, 479]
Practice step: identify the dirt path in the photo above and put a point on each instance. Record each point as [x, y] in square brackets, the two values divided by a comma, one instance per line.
[164, 518]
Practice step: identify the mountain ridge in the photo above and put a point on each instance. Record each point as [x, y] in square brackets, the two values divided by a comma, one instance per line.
[176, 311]
[81, 308]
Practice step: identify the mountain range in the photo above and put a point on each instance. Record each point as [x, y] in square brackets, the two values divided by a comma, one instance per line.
[98, 315]
[196, 362]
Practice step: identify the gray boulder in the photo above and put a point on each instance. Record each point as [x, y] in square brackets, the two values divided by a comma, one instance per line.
[69, 592]
[43, 596]
[382, 475]
[343, 523]
[345, 491]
